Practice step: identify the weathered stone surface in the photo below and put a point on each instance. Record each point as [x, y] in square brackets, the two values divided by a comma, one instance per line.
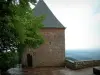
[58, 71]
[82, 64]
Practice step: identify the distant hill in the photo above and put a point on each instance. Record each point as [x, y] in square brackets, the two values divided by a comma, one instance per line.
[83, 54]
[70, 58]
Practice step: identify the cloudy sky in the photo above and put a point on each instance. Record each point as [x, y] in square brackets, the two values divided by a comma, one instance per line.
[82, 19]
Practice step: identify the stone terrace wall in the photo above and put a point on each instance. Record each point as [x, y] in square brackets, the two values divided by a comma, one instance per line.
[82, 64]
[70, 64]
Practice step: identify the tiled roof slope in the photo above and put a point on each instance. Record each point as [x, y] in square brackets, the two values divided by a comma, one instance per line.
[50, 20]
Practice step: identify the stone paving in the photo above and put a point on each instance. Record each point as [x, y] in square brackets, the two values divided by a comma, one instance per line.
[57, 71]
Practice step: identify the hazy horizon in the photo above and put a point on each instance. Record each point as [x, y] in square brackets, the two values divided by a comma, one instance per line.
[83, 54]
[83, 49]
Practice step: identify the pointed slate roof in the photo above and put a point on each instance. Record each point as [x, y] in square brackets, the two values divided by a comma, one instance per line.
[50, 20]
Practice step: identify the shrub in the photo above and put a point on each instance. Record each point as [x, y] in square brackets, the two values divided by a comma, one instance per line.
[8, 60]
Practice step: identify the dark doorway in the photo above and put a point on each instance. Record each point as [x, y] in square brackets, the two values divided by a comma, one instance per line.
[29, 60]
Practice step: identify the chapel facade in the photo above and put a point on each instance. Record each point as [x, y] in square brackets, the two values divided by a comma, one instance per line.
[52, 52]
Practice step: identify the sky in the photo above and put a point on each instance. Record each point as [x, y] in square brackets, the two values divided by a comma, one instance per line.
[82, 19]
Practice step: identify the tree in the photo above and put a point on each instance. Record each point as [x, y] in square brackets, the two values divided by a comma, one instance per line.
[8, 37]
[7, 33]
[27, 26]
[18, 26]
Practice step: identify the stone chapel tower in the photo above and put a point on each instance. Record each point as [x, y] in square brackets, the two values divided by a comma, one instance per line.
[52, 52]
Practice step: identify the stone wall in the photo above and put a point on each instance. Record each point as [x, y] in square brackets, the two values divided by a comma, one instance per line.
[82, 64]
[70, 64]
[52, 52]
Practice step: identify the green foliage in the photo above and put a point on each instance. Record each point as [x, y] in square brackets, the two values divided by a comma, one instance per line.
[8, 37]
[18, 28]
[7, 33]
[8, 60]
[27, 26]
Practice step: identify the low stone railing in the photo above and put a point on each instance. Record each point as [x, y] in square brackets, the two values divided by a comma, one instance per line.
[82, 64]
